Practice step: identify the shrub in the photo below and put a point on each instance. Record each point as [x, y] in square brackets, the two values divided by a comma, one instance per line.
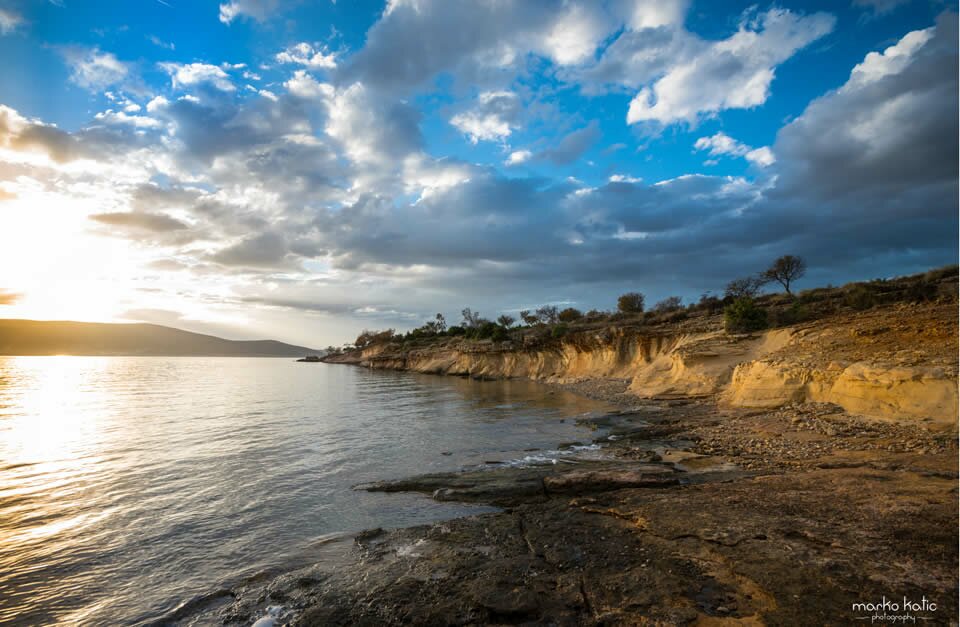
[744, 315]
[860, 297]
[922, 291]
[559, 331]
[456, 330]
[547, 314]
[671, 303]
[487, 329]
[747, 287]
[710, 302]
[631, 302]
[500, 334]
[506, 321]
[796, 312]
[570, 315]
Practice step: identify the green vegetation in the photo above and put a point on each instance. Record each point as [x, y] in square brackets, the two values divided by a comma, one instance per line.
[570, 315]
[744, 308]
[744, 315]
[631, 302]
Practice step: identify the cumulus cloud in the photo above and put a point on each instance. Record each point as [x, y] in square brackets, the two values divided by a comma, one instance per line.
[120, 117]
[310, 55]
[258, 10]
[267, 250]
[94, 70]
[318, 189]
[572, 146]
[519, 156]
[733, 73]
[154, 222]
[190, 74]
[491, 119]
[474, 38]
[722, 144]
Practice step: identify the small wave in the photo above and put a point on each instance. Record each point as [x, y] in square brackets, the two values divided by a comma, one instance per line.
[555, 456]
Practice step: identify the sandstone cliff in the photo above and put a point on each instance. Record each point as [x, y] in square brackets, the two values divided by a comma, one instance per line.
[895, 362]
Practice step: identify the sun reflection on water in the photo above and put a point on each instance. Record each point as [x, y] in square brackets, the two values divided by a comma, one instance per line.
[47, 416]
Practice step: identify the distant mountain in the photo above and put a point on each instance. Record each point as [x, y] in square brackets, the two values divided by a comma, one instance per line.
[40, 337]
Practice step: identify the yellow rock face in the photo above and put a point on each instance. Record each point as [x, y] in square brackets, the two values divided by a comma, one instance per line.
[884, 365]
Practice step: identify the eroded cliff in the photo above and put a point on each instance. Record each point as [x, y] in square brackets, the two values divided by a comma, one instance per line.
[895, 362]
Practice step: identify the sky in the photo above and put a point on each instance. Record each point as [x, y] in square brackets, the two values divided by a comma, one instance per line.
[304, 170]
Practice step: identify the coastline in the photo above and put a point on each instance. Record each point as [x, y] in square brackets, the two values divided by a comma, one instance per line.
[699, 515]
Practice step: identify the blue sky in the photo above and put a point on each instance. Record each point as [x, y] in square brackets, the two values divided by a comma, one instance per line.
[307, 169]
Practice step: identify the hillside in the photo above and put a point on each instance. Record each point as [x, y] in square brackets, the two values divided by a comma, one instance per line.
[36, 337]
[885, 349]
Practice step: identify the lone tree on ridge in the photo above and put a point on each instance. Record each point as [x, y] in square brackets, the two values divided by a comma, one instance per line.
[786, 270]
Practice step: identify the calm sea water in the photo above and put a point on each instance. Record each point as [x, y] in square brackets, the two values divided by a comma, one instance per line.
[129, 485]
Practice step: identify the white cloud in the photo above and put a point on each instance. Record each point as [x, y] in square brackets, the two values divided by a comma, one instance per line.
[94, 70]
[575, 34]
[641, 14]
[733, 73]
[189, 74]
[9, 21]
[893, 60]
[518, 156]
[491, 119]
[259, 10]
[624, 178]
[119, 117]
[308, 55]
[303, 85]
[722, 144]
[156, 41]
[157, 103]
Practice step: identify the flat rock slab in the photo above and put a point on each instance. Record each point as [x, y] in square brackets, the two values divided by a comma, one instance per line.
[580, 481]
[508, 486]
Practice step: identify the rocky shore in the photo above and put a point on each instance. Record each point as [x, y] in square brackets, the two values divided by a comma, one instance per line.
[696, 515]
[804, 475]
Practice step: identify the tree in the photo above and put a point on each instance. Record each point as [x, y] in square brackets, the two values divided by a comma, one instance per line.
[671, 303]
[547, 314]
[631, 302]
[786, 270]
[506, 321]
[747, 287]
[527, 317]
[471, 319]
[440, 323]
[570, 314]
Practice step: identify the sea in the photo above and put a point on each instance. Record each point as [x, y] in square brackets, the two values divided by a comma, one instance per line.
[131, 485]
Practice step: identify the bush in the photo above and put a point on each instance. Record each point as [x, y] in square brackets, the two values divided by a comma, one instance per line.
[570, 315]
[671, 303]
[548, 314]
[744, 315]
[922, 291]
[456, 330]
[710, 303]
[559, 331]
[860, 297]
[487, 329]
[500, 335]
[631, 302]
[795, 313]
